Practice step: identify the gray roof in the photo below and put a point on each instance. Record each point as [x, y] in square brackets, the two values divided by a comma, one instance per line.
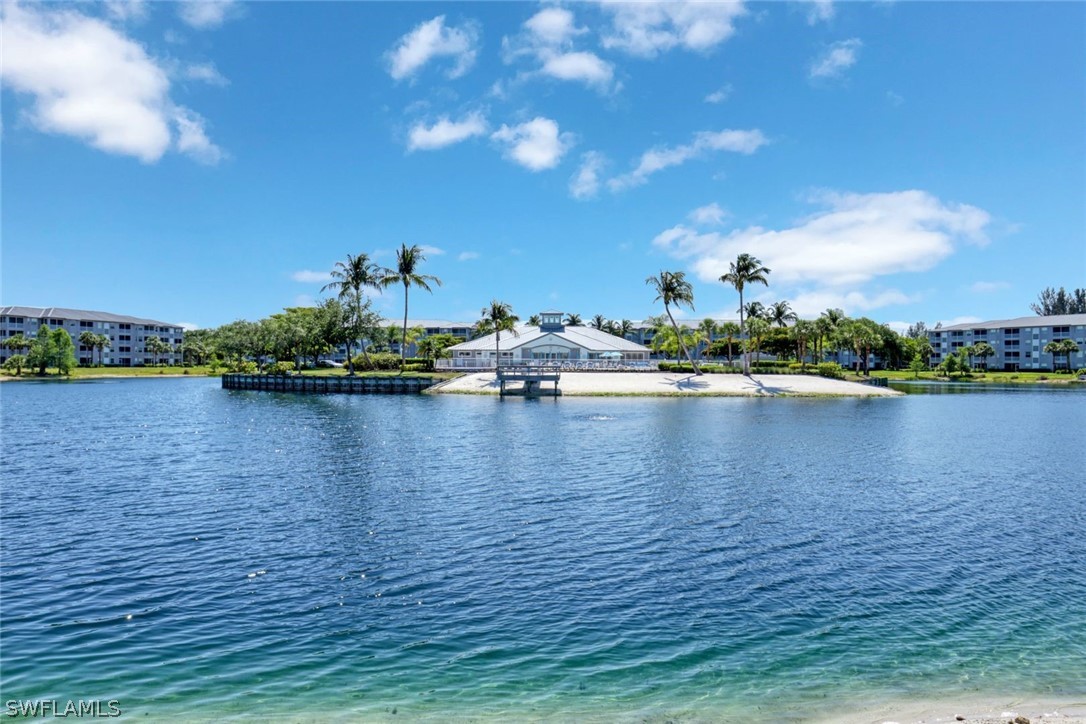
[79, 315]
[427, 323]
[1055, 320]
[586, 337]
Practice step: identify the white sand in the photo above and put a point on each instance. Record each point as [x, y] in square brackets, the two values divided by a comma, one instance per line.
[677, 383]
[1044, 711]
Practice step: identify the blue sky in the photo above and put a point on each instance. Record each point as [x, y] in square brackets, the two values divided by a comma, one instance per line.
[203, 162]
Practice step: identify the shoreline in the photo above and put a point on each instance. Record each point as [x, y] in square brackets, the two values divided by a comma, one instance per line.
[678, 384]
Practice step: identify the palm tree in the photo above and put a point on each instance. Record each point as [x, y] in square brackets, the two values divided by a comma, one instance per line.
[780, 314]
[573, 320]
[349, 279]
[498, 318]
[743, 271]
[756, 310]
[102, 343]
[984, 351]
[88, 339]
[730, 332]
[757, 328]
[406, 273]
[672, 288]
[623, 328]
[535, 320]
[706, 330]
[1066, 347]
[803, 331]
[598, 322]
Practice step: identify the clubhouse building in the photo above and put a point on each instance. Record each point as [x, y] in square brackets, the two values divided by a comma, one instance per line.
[551, 341]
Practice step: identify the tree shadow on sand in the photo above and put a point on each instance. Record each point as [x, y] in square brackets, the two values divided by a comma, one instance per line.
[762, 389]
[688, 384]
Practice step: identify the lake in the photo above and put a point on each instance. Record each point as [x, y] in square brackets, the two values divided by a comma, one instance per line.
[195, 552]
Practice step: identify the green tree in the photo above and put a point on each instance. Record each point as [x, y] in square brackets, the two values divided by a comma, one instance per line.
[535, 320]
[496, 318]
[15, 363]
[730, 333]
[102, 343]
[984, 351]
[780, 314]
[598, 322]
[757, 329]
[672, 288]
[156, 347]
[573, 320]
[88, 339]
[436, 347]
[705, 332]
[350, 279]
[1065, 347]
[43, 350]
[917, 366]
[744, 271]
[802, 334]
[407, 273]
[1051, 302]
[623, 329]
[949, 365]
[64, 351]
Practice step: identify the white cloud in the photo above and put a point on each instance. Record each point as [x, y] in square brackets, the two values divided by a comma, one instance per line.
[547, 38]
[553, 26]
[125, 10]
[432, 39]
[311, 277]
[658, 159]
[966, 319]
[894, 99]
[204, 14]
[467, 255]
[536, 145]
[90, 81]
[431, 250]
[188, 326]
[720, 94]
[988, 287]
[813, 303]
[820, 11]
[206, 73]
[653, 26]
[710, 215]
[585, 184]
[838, 58]
[580, 66]
[446, 132]
[856, 238]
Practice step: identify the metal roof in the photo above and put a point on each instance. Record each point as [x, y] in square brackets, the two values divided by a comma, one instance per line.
[79, 315]
[585, 337]
[427, 323]
[1055, 320]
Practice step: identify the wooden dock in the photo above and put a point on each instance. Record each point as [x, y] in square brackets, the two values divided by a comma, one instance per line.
[532, 379]
[328, 384]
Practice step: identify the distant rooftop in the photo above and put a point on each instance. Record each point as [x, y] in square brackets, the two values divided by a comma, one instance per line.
[1055, 320]
[79, 315]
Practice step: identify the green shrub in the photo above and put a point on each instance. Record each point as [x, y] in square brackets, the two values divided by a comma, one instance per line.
[280, 368]
[1042, 377]
[378, 361]
[244, 366]
[415, 367]
[665, 366]
[830, 369]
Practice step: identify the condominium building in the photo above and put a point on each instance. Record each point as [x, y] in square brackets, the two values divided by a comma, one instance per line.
[1019, 344]
[128, 336]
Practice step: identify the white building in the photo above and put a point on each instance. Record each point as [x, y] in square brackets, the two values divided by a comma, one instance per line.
[128, 336]
[550, 341]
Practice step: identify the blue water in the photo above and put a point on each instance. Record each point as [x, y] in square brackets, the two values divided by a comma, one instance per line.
[200, 553]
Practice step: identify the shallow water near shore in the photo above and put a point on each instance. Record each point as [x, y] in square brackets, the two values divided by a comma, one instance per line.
[197, 553]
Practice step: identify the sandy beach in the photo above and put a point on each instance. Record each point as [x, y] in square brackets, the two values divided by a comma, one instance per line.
[1010, 711]
[668, 384]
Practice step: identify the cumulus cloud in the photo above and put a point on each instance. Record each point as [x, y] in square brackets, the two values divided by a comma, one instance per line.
[90, 81]
[126, 10]
[650, 27]
[547, 39]
[445, 132]
[433, 39]
[308, 276]
[812, 303]
[205, 14]
[205, 73]
[188, 326]
[467, 255]
[658, 159]
[719, 95]
[431, 250]
[585, 184]
[536, 145]
[709, 215]
[838, 58]
[854, 239]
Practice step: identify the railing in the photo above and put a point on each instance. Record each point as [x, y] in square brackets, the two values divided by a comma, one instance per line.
[586, 365]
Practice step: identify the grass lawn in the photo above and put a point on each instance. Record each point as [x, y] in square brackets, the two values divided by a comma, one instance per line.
[977, 377]
[86, 373]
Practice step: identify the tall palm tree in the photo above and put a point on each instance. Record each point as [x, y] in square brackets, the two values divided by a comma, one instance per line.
[756, 310]
[102, 343]
[573, 320]
[88, 339]
[349, 280]
[598, 321]
[672, 288]
[706, 329]
[730, 332]
[496, 318]
[745, 270]
[757, 329]
[406, 273]
[803, 332]
[780, 314]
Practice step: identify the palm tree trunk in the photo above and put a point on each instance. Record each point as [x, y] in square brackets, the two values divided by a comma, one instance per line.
[350, 364]
[742, 329]
[403, 337]
[678, 336]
